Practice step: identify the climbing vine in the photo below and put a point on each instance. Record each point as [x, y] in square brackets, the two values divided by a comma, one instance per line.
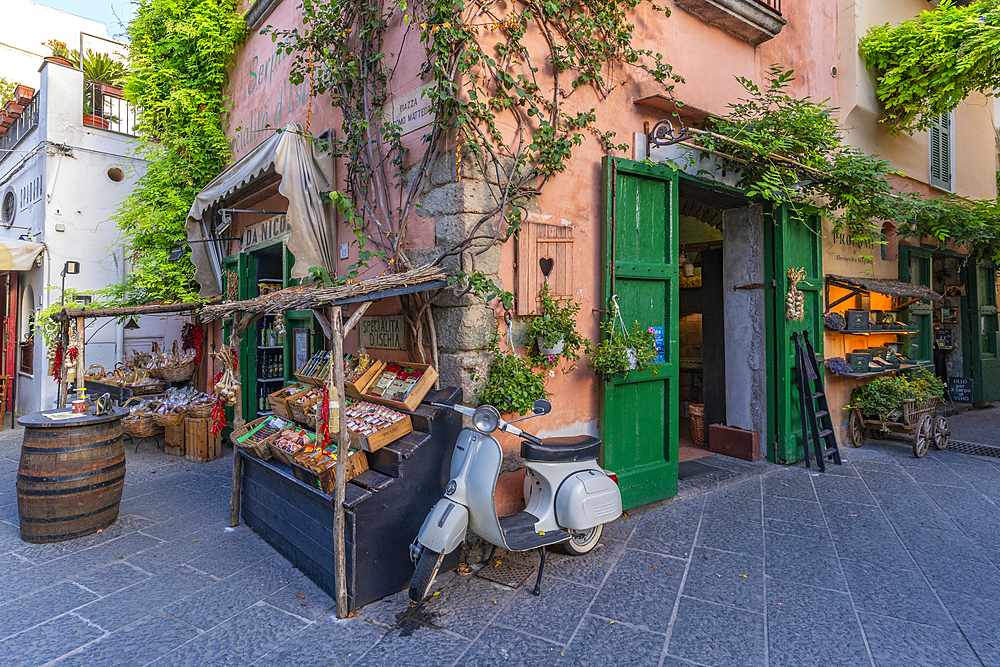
[792, 150]
[929, 64]
[179, 53]
[499, 75]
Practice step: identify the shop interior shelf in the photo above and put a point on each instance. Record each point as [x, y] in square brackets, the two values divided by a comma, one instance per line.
[868, 332]
[902, 367]
[270, 379]
[269, 280]
[270, 347]
[264, 413]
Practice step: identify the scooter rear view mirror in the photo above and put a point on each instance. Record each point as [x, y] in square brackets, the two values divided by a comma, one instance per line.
[541, 407]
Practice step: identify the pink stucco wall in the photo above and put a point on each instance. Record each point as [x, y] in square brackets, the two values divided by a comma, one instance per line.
[708, 58]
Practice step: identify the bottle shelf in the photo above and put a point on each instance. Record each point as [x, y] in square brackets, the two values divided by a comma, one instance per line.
[270, 347]
[278, 379]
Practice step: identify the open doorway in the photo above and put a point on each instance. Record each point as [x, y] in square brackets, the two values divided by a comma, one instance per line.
[701, 327]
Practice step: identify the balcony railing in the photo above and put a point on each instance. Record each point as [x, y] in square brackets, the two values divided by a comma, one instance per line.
[103, 107]
[773, 4]
[20, 125]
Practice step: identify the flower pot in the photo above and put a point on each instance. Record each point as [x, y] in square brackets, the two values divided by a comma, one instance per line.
[91, 120]
[546, 346]
[59, 59]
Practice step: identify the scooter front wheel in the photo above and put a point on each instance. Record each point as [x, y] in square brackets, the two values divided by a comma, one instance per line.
[423, 578]
[582, 542]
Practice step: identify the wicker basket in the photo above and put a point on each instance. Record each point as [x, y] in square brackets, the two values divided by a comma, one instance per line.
[140, 426]
[169, 419]
[261, 450]
[147, 389]
[200, 411]
[300, 409]
[280, 454]
[696, 411]
[172, 372]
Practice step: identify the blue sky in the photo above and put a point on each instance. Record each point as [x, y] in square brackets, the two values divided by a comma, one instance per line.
[104, 11]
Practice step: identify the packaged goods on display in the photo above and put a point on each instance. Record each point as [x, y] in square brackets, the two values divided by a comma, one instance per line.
[367, 418]
[395, 383]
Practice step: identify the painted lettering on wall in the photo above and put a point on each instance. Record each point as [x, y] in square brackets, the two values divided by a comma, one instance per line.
[266, 230]
[30, 194]
[845, 239]
[384, 331]
[266, 109]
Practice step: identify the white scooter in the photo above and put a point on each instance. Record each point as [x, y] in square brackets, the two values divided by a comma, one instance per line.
[569, 497]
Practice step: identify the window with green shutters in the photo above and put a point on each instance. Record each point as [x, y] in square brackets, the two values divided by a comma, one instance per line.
[940, 140]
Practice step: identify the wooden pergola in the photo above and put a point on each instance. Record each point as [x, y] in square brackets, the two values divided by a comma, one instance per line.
[80, 315]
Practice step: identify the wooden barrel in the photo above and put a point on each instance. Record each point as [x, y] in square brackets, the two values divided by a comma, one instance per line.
[70, 476]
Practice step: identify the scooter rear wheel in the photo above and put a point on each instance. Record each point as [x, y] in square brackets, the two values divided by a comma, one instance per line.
[582, 543]
[423, 578]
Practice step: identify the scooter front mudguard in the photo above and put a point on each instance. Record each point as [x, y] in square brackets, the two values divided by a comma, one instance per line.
[445, 526]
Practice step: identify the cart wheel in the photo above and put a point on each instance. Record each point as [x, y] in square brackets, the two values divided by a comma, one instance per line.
[942, 431]
[922, 436]
[857, 429]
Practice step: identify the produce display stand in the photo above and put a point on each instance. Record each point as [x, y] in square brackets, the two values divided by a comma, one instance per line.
[278, 513]
[921, 423]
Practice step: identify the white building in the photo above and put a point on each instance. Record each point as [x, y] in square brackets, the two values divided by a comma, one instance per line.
[62, 177]
[26, 26]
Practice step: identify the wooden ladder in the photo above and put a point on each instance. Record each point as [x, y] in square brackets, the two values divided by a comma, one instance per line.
[817, 427]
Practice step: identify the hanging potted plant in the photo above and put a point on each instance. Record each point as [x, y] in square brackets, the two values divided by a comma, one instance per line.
[622, 351]
[553, 331]
[511, 384]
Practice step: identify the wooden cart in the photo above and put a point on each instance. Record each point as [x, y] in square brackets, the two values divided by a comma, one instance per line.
[921, 423]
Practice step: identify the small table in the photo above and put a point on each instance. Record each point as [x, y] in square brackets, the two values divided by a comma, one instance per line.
[71, 474]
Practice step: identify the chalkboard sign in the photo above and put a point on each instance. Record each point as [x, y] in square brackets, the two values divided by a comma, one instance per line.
[960, 389]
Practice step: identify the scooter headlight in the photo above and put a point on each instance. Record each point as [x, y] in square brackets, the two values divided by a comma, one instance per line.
[486, 418]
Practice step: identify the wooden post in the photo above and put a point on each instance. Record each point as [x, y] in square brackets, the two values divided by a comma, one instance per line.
[343, 447]
[81, 342]
[63, 389]
[234, 502]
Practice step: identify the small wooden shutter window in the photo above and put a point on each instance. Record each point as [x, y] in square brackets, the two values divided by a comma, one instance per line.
[542, 248]
[939, 134]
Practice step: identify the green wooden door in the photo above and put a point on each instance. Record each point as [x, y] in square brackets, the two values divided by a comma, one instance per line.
[980, 329]
[639, 252]
[915, 268]
[793, 243]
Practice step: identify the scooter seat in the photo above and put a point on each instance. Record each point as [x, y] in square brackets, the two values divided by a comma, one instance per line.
[562, 450]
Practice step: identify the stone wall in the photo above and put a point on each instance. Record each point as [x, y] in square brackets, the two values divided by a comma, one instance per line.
[465, 324]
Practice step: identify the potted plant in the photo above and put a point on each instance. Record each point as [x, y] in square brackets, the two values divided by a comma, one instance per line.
[553, 331]
[622, 351]
[60, 54]
[511, 384]
[103, 77]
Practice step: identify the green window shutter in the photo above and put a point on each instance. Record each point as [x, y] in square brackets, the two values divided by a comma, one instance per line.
[939, 135]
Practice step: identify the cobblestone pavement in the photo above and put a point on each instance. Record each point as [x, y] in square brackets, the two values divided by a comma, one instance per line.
[886, 560]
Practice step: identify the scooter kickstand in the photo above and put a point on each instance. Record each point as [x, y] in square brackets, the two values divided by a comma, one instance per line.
[492, 552]
[538, 582]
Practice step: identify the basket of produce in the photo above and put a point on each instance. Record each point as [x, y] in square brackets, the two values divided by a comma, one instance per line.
[279, 399]
[300, 404]
[176, 366]
[139, 422]
[257, 439]
[290, 443]
[95, 373]
[200, 406]
[168, 416]
[246, 428]
[147, 387]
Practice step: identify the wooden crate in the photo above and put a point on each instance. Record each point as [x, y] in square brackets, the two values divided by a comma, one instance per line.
[173, 440]
[356, 389]
[383, 437]
[424, 385]
[279, 401]
[300, 410]
[200, 444]
[318, 470]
